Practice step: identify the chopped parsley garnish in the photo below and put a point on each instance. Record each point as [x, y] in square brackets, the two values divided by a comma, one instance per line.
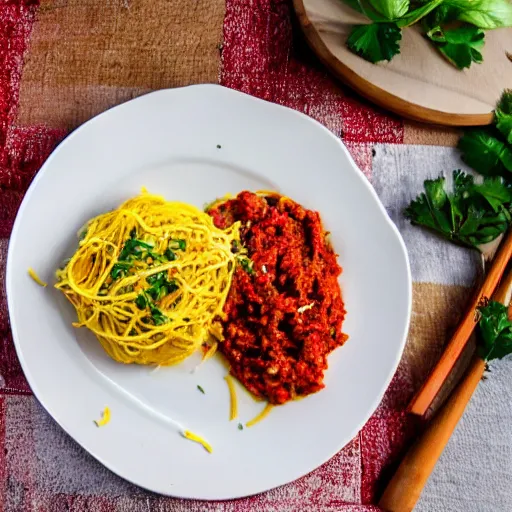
[178, 244]
[170, 254]
[120, 269]
[240, 426]
[141, 301]
[134, 248]
[160, 286]
[156, 315]
[246, 264]
[201, 389]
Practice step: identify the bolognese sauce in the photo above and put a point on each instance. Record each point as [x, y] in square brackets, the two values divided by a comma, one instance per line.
[284, 311]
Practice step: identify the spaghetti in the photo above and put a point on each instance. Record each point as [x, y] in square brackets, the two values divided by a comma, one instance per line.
[150, 279]
[36, 278]
[233, 408]
[261, 416]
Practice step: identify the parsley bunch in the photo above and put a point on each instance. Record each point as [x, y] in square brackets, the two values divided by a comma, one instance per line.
[471, 213]
[455, 27]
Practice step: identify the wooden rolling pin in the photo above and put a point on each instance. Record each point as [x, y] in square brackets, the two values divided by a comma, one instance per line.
[404, 490]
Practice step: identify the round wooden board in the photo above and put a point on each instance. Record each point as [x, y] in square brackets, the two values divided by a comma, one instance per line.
[418, 83]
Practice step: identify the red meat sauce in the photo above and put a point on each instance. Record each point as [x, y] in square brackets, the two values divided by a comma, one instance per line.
[283, 315]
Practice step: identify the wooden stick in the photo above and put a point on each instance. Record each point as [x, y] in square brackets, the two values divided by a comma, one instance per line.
[405, 488]
[423, 399]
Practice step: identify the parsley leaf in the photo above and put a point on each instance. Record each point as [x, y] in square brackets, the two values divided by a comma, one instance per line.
[471, 214]
[495, 330]
[390, 9]
[420, 12]
[485, 153]
[459, 45]
[503, 115]
[375, 42]
[486, 14]
[201, 389]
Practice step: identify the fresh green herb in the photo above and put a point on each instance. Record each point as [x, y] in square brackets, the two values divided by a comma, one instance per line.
[471, 214]
[485, 153]
[178, 245]
[170, 255]
[503, 116]
[120, 269]
[141, 301]
[218, 146]
[201, 389]
[388, 9]
[160, 285]
[240, 426]
[422, 11]
[486, 14]
[455, 27]
[246, 264]
[495, 331]
[134, 248]
[489, 150]
[460, 46]
[156, 314]
[375, 42]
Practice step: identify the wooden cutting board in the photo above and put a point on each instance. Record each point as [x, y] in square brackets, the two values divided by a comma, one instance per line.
[418, 83]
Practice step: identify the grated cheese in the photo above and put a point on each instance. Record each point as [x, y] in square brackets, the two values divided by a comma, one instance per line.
[305, 308]
[197, 439]
[104, 419]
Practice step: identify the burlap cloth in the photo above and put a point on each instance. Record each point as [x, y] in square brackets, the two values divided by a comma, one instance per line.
[64, 61]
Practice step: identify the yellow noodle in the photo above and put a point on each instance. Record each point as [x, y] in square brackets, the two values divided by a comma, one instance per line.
[197, 439]
[233, 409]
[36, 278]
[109, 304]
[262, 415]
[212, 350]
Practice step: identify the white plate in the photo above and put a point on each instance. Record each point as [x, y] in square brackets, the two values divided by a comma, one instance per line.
[168, 141]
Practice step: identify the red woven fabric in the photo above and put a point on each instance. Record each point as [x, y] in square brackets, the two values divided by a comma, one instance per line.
[22, 151]
[259, 58]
